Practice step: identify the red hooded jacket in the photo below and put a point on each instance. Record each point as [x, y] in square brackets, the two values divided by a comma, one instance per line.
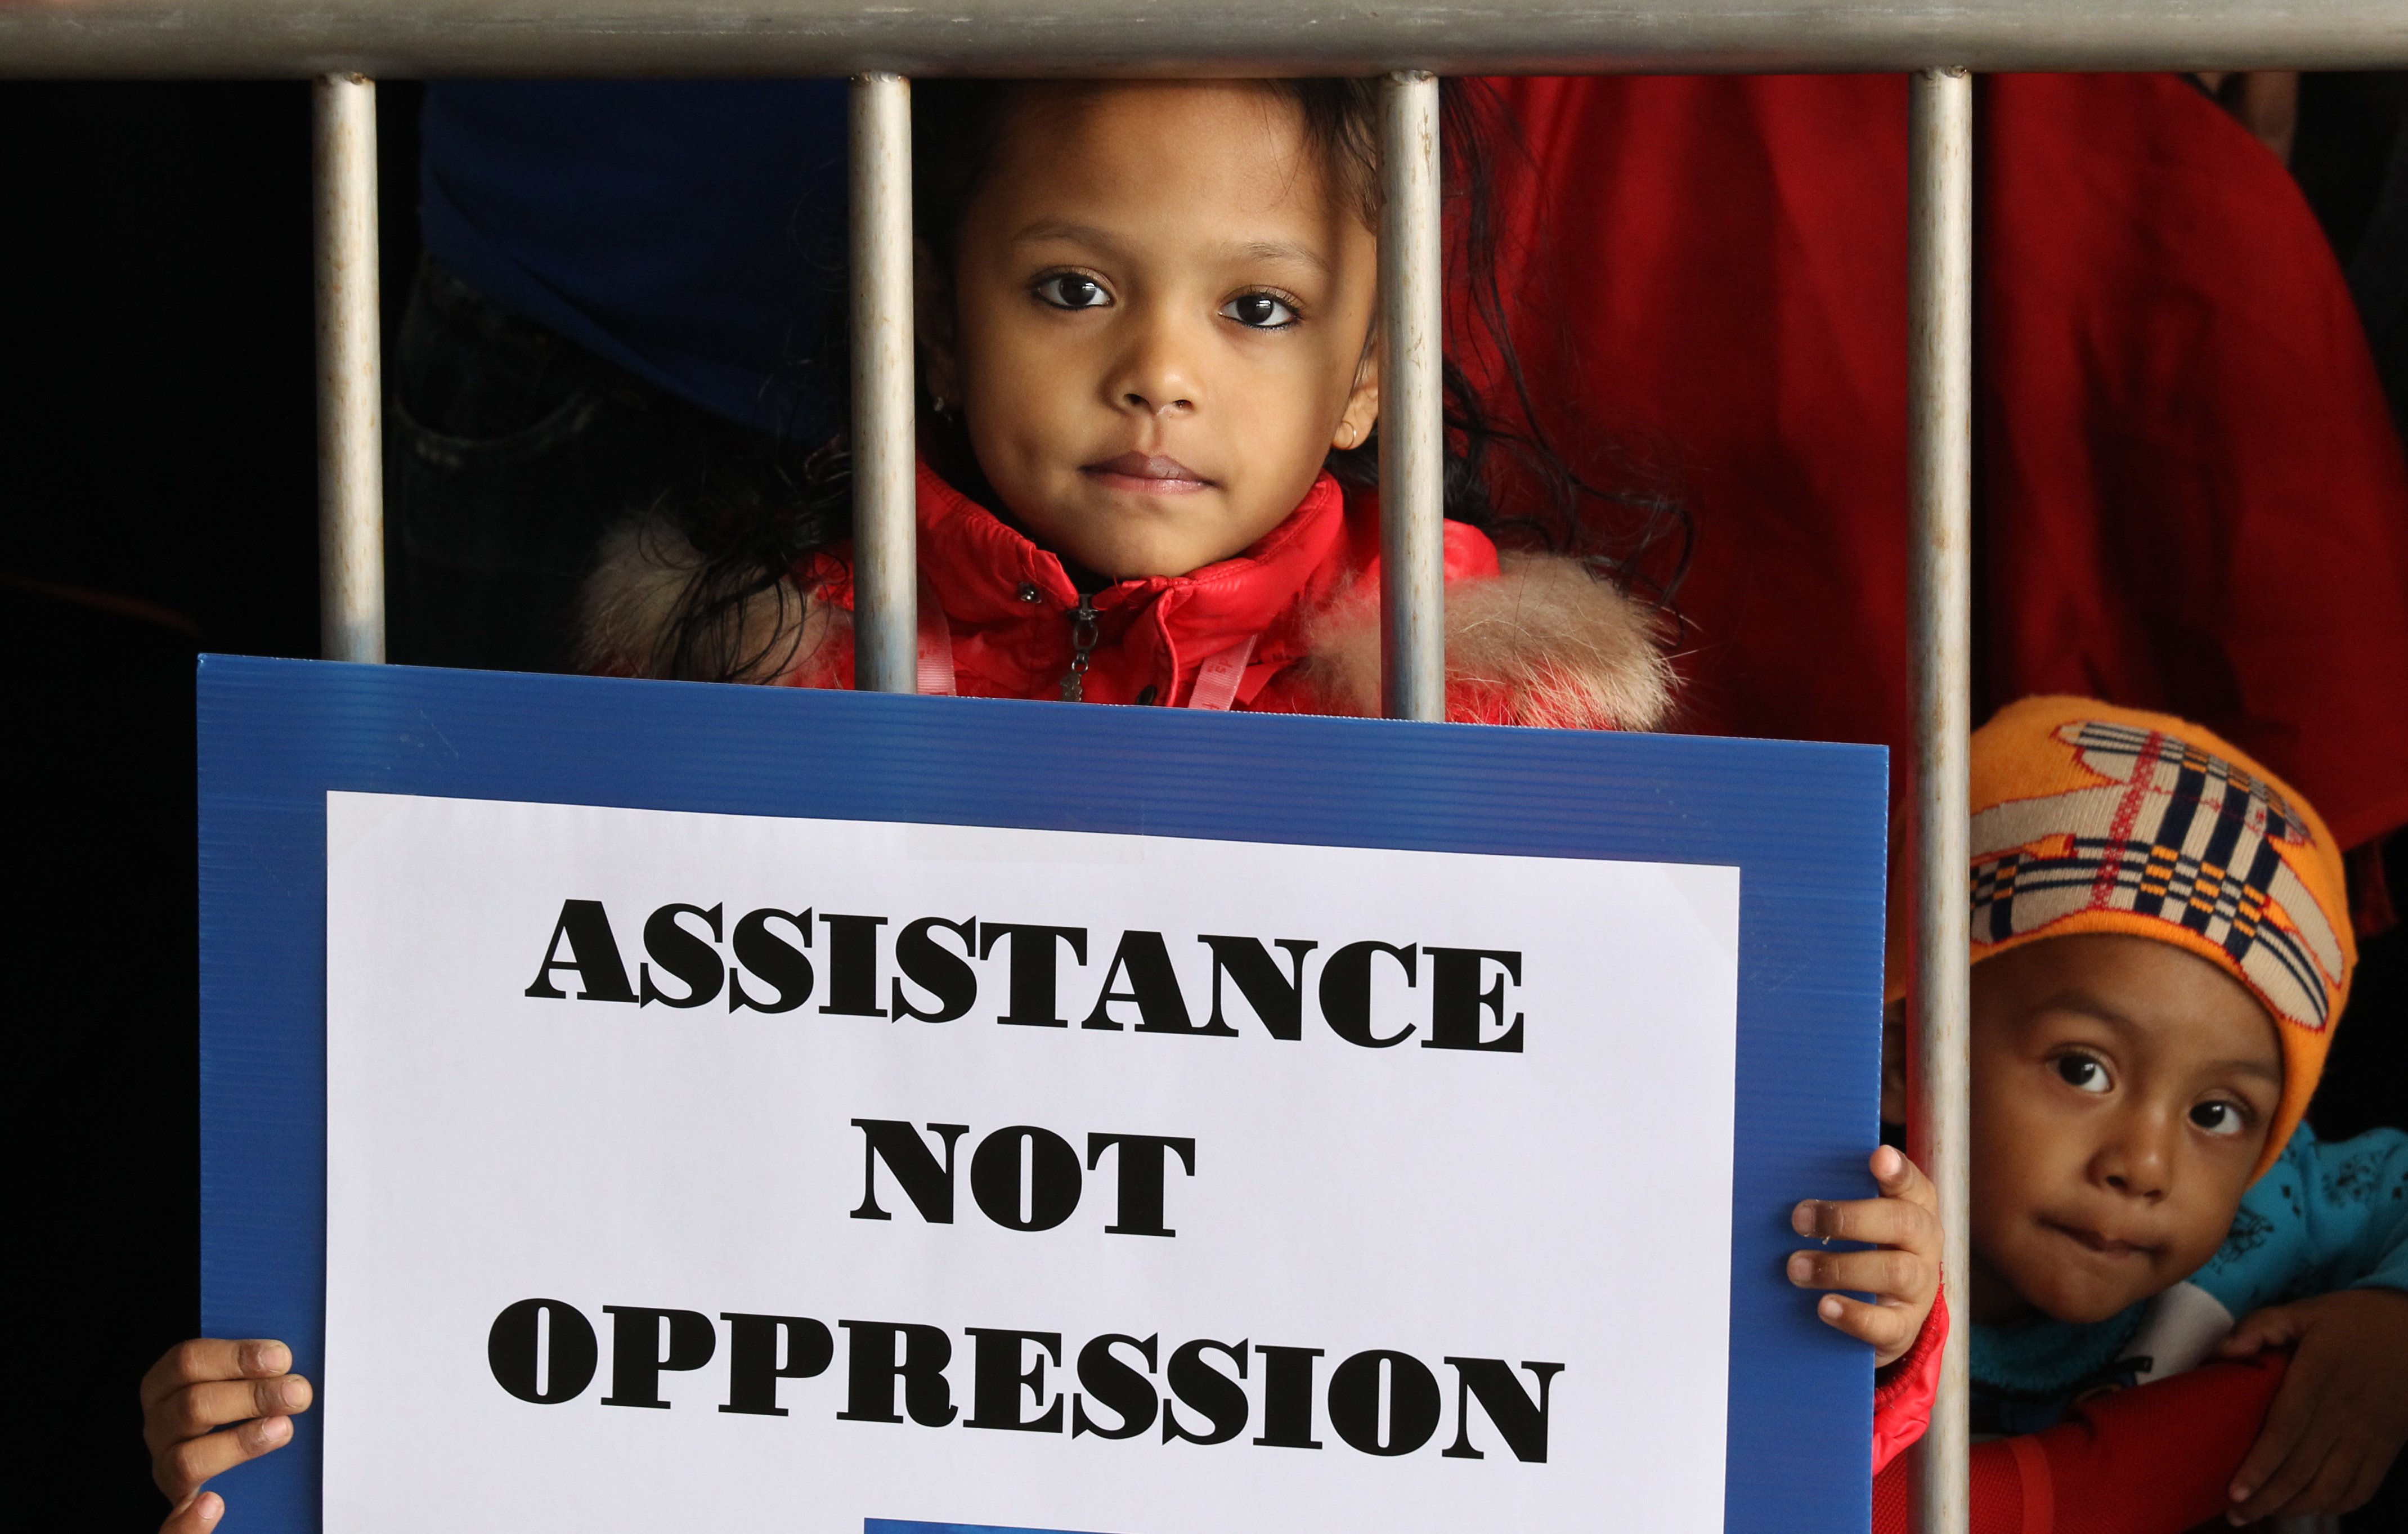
[1291, 625]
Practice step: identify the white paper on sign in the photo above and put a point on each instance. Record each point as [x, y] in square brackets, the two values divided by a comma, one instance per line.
[1393, 1227]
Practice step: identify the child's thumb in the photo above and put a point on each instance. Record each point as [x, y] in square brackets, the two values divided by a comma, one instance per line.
[1899, 1178]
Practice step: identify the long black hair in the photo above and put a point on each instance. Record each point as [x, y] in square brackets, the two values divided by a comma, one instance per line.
[754, 525]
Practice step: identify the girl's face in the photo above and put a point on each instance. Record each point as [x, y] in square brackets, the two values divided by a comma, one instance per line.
[1160, 323]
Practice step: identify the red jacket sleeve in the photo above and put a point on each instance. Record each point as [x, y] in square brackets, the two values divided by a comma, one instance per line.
[1903, 1392]
[2154, 1460]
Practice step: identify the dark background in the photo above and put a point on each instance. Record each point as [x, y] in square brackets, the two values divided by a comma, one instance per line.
[158, 483]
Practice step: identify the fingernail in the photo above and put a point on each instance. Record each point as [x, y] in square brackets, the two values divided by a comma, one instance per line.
[1885, 1162]
[289, 1391]
[274, 1430]
[1801, 1219]
[1801, 1267]
[210, 1506]
[266, 1358]
[1829, 1308]
[2238, 1493]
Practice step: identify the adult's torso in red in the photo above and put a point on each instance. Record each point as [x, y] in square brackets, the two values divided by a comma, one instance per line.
[2189, 494]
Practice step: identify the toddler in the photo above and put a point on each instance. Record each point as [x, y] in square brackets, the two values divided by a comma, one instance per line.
[2160, 947]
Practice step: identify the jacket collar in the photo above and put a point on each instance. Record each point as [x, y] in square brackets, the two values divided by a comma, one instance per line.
[987, 574]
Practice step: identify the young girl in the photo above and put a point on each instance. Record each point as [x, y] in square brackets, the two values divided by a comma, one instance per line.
[1150, 392]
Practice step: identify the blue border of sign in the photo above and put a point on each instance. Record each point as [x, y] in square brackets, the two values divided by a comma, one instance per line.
[1805, 823]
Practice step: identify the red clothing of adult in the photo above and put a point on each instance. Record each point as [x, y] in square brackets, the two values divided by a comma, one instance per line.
[2152, 1460]
[2189, 495]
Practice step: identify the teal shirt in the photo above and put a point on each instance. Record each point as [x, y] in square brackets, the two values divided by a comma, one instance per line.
[2324, 1218]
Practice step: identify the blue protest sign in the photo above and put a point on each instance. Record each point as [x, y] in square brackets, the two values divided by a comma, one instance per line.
[827, 1076]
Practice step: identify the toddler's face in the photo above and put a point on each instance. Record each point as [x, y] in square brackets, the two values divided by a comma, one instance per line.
[2121, 1090]
[1159, 322]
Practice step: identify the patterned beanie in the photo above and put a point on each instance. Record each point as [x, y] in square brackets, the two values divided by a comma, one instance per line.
[2091, 818]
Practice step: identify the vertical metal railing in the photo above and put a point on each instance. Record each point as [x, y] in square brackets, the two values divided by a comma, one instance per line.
[1412, 445]
[1940, 437]
[886, 535]
[351, 370]
[1412, 431]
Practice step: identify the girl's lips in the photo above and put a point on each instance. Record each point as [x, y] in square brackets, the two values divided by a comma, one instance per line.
[1146, 475]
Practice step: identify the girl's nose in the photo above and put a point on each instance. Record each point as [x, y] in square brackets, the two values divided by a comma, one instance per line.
[1156, 376]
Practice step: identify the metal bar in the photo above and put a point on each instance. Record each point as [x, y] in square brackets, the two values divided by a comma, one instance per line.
[1412, 431]
[351, 371]
[886, 535]
[1940, 386]
[405, 38]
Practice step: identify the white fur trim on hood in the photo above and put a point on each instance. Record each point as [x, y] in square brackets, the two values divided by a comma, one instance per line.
[1563, 648]
[628, 615]
[1559, 646]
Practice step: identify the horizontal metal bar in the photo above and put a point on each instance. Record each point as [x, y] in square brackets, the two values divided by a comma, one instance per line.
[411, 39]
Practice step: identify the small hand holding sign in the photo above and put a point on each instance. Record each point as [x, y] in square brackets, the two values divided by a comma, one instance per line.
[195, 1390]
[1901, 1271]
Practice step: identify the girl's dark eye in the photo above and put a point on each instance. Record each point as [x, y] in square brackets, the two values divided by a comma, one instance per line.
[1069, 290]
[2218, 1117]
[1258, 311]
[2081, 1073]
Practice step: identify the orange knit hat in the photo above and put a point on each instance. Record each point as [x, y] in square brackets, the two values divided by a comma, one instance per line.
[2091, 818]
